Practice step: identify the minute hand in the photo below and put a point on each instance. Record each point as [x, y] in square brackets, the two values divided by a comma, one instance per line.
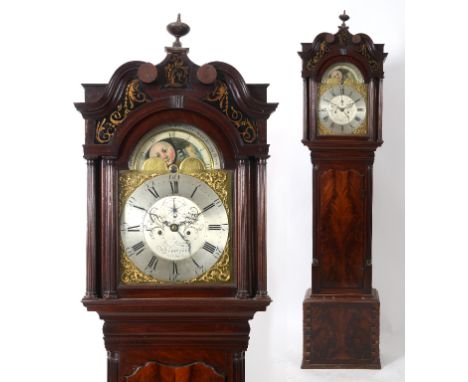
[189, 245]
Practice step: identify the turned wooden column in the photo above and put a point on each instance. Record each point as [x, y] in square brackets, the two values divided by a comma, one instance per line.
[110, 236]
[92, 274]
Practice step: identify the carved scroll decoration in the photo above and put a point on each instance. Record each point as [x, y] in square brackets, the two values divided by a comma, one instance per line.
[317, 56]
[133, 97]
[363, 49]
[222, 99]
[177, 72]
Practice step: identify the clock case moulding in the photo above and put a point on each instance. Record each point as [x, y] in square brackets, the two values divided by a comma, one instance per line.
[342, 310]
[193, 331]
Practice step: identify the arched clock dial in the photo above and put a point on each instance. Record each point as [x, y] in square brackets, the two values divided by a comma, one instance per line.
[174, 227]
[174, 142]
[342, 101]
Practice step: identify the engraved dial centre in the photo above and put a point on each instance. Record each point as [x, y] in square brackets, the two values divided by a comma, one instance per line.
[174, 228]
[342, 109]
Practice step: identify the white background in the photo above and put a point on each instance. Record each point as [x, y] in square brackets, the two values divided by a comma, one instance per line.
[48, 48]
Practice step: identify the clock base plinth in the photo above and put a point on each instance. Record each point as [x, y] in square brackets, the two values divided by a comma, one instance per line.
[341, 331]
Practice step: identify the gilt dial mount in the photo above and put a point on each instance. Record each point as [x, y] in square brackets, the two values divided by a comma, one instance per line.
[342, 101]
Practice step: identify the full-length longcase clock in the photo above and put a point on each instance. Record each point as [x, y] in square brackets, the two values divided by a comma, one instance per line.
[176, 254]
[342, 76]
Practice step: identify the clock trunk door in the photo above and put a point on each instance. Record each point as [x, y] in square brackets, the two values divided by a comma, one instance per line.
[341, 235]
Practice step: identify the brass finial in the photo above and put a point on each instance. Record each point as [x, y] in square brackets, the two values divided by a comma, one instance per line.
[344, 17]
[178, 29]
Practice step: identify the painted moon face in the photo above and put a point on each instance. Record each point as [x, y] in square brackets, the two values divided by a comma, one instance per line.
[163, 150]
[173, 143]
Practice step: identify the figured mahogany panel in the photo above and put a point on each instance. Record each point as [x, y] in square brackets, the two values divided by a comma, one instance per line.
[341, 228]
[155, 372]
[341, 332]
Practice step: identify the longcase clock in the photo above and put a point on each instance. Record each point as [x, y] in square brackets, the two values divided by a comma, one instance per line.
[342, 76]
[176, 253]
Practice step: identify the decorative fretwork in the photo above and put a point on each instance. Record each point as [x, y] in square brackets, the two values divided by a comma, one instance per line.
[364, 50]
[221, 98]
[316, 53]
[317, 56]
[133, 97]
[177, 72]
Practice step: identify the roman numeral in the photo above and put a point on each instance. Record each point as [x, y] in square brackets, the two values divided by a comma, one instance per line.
[174, 186]
[153, 263]
[216, 202]
[358, 119]
[131, 202]
[211, 205]
[196, 264]
[175, 271]
[137, 248]
[153, 191]
[360, 109]
[134, 228]
[325, 118]
[195, 190]
[209, 247]
[342, 90]
[217, 227]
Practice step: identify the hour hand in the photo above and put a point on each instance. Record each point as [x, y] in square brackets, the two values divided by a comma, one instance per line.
[158, 220]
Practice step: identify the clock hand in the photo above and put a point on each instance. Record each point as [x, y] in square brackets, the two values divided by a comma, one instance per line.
[187, 221]
[174, 208]
[337, 106]
[334, 104]
[189, 245]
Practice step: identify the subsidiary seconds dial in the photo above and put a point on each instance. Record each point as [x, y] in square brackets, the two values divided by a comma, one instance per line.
[174, 227]
[342, 109]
